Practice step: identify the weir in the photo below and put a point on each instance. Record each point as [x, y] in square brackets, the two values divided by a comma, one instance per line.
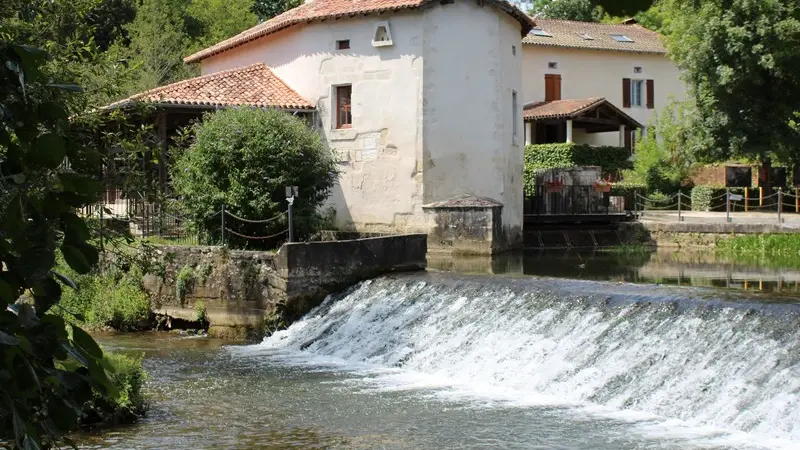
[704, 357]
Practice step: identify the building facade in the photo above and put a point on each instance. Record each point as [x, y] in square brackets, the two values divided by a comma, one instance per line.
[625, 64]
[412, 118]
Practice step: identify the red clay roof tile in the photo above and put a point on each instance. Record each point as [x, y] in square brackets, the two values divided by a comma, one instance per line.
[329, 9]
[254, 85]
[568, 34]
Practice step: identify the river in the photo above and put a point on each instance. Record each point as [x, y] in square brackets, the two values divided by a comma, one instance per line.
[445, 360]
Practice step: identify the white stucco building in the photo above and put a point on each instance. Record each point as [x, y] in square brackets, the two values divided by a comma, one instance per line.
[421, 102]
[569, 66]
[418, 106]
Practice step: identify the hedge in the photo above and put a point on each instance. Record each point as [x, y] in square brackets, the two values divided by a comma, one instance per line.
[566, 155]
[707, 197]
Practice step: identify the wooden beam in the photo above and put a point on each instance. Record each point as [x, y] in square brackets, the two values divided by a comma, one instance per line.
[614, 123]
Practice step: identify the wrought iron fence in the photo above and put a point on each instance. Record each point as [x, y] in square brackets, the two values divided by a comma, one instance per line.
[577, 200]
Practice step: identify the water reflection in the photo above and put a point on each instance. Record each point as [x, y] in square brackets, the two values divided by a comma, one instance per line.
[663, 266]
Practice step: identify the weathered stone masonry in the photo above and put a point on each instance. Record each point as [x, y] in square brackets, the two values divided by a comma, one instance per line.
[244, 291]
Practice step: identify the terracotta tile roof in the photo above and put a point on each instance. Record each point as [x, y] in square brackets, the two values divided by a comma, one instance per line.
[567, 33]
[560, 108]
[316, 10]
[254, 85]
[566, 109]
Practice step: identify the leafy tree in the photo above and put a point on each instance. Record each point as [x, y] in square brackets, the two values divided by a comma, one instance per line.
[243, 159]
[665, 154]
[108, 19]
[267, 9]
[160, 36]
[739, 60]
[48, 369]
[582, 10]
[221, 19]
[627, 8]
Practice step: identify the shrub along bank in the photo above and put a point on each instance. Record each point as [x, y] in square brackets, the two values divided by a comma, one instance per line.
[565, 155]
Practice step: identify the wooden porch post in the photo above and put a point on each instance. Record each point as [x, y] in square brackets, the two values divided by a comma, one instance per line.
[569, 131]
[528, 133]
[622, 135]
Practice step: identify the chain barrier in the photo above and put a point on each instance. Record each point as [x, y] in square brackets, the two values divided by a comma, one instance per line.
[260, 238]
[255, 221]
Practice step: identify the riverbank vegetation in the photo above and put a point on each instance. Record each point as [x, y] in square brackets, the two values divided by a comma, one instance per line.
[761, 246]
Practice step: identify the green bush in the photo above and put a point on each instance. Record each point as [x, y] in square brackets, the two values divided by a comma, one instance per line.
[712, 197]
[107, 298]
[701, 197]
[125, 405]
[243, 159]
[184, 283]
[566, 155]
[660, 200]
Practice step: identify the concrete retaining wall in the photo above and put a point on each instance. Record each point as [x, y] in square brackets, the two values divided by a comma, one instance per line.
[244, 292]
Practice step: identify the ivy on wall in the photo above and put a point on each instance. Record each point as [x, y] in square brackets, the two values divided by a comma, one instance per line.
[565, 155]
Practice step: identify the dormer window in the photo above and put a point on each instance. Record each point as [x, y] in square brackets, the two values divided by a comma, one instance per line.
[621, 38]
[540, 32]
[382, 36]
[585, 37]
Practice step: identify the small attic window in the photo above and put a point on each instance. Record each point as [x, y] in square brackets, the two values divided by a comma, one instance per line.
[383, 35]
[540, 32]
[585, 37]
[621, 38]
[552, 65]
[514, 50]
[343, 44]
[637, 69]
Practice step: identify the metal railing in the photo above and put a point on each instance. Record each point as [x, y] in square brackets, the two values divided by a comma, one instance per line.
[577, 200]
[734, 204]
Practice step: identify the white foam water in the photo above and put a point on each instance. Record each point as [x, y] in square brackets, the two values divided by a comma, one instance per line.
[652, 355]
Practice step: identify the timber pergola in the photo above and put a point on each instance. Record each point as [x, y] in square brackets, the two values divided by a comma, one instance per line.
[554, 121]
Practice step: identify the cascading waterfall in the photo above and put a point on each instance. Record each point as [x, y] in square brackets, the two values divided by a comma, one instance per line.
[676, 353]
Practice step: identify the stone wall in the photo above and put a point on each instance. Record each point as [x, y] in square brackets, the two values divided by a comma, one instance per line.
[693, 235]
[242, 292]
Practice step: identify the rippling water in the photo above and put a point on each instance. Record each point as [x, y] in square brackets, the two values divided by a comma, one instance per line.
[449, 361]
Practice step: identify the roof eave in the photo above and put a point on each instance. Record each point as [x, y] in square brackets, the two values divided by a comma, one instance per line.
[578, 47]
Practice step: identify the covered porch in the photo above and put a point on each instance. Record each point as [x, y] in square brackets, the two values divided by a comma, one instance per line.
[591, 121]
[166, 110]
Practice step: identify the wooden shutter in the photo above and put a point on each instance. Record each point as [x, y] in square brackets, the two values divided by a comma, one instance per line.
[557, 87]
[626, 92]
[651, 99]
[548, 88]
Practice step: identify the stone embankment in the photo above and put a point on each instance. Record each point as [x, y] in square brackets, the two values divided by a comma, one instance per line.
[243, 294]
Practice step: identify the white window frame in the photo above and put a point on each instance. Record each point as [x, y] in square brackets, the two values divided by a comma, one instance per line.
[638, 101]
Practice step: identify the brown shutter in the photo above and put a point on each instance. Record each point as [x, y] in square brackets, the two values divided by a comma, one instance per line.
[626, 92]
[557, 87]
[651, 99]
[548, 88]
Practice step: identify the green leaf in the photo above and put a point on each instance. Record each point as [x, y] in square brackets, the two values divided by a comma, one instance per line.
[72, 351]
[6, 294]
[81, 258]
[75, 229]
[7, 339]
[84, 341]
[30, 444]
[27, 316]
[47, 288]
[64, 279]
[49, 150]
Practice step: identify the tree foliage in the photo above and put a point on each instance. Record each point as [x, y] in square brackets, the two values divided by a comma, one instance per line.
[221, 19]
[739, 60]
[48, 369]
[582, 10]
[243, 159]
[666, 154]
[267, 9]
